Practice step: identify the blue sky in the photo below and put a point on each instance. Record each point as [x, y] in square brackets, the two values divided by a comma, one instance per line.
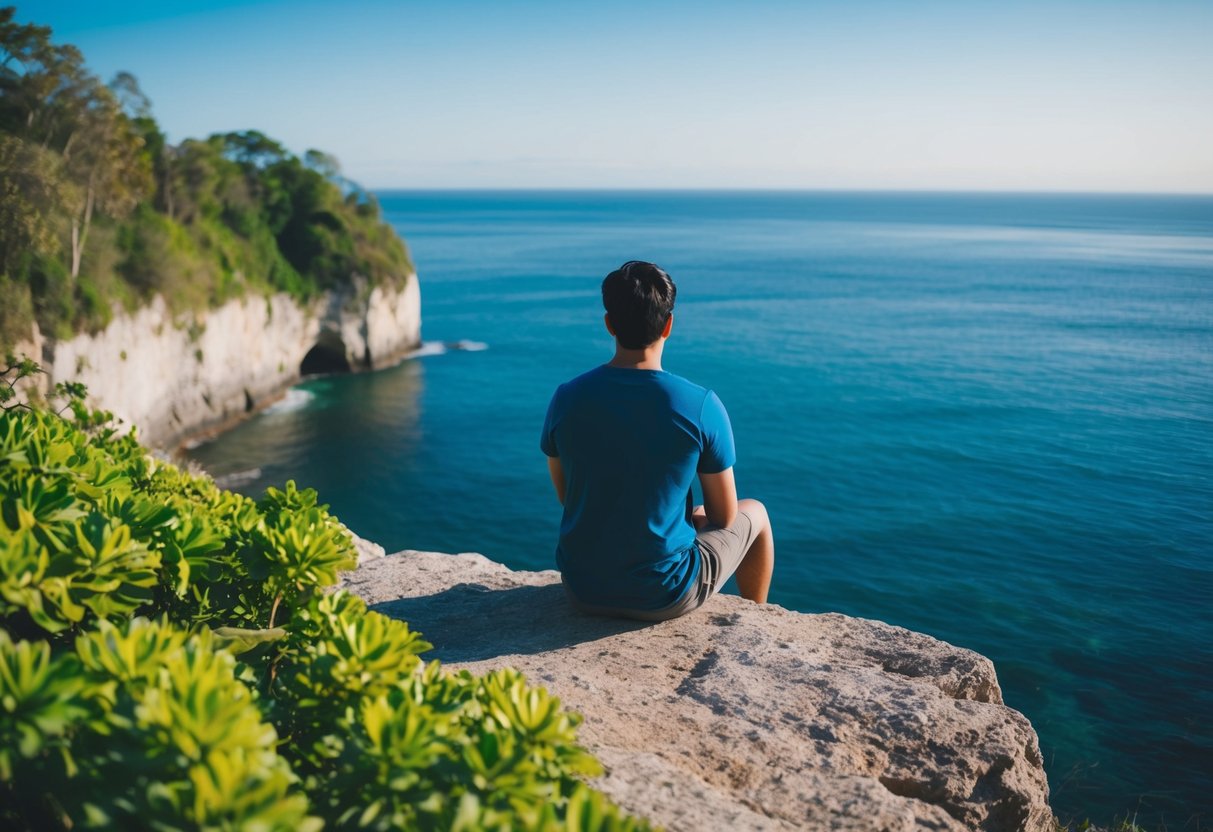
[1064, 95]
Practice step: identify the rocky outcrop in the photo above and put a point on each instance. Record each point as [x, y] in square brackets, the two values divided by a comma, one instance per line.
[173, 375]
[742, 716]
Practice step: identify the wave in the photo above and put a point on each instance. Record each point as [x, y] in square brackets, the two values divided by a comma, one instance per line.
[294, 399]
[443, 347]
[427, 348]
[238, 478]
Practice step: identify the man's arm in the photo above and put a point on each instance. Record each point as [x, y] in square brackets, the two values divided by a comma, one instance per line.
[557, 472]
[719, 497]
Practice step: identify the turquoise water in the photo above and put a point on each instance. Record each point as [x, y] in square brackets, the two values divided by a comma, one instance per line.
[988, 418]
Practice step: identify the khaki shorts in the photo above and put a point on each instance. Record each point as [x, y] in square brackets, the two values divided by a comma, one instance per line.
[720, 553]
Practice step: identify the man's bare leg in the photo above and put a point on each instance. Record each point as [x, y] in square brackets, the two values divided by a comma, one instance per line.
[754, 573]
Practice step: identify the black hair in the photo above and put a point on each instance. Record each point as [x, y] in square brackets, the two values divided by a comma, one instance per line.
[638, 298]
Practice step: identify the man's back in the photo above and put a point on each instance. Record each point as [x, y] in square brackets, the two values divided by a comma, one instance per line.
[631, 442]
[624, 443]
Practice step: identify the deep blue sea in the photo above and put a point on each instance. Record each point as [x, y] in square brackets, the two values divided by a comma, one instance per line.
[984, 417]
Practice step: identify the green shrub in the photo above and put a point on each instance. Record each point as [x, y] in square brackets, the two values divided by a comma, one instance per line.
[149, 727]
[17, 311]
[66, 558]
[54, 301]
[169, 658]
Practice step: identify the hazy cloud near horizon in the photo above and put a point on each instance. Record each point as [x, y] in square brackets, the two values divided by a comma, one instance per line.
[1096, 96]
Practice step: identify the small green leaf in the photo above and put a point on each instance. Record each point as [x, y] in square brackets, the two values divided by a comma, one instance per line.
[237, 640]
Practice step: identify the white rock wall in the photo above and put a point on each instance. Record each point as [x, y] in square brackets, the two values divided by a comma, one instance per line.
[377, 326]
[393, 322]
[172, 376]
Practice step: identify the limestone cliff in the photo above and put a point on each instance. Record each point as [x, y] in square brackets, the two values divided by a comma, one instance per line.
[742, 716]
[173, 375]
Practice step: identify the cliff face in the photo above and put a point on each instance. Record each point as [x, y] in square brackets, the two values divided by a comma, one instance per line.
[742, 716]
[172, 376]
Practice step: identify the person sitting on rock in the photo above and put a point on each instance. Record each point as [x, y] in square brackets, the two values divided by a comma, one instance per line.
[624, 442]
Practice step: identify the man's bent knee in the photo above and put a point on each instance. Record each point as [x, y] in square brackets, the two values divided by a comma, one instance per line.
[756, 511]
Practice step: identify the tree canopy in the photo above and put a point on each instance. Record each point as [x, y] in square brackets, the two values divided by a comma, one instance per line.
[98, 209]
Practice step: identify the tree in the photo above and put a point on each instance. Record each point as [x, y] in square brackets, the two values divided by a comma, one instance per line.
[44, 85]
[108, 164]
[131, 98]
[163, 157]
[52, 102]
[253, 149]
[325, 164]
[32, 188]
[18, 44]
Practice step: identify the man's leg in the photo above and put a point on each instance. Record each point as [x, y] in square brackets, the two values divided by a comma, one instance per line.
[754, 573]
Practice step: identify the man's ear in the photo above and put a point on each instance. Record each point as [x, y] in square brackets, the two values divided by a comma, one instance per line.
[669, 324]
[606, 318]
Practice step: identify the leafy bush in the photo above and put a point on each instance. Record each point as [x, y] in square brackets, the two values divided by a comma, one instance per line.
[165, 735]
[169, 658]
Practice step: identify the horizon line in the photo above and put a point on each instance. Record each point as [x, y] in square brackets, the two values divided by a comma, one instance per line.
[762, 190]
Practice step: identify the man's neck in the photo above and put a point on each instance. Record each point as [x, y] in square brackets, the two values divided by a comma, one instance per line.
[647, 358]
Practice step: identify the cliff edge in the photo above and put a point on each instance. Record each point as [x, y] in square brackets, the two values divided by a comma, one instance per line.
[173, 375]
[742, 716]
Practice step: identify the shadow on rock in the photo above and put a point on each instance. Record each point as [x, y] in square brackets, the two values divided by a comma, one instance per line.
[471, 622]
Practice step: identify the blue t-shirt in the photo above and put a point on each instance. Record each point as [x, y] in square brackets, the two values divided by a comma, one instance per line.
[631, 443]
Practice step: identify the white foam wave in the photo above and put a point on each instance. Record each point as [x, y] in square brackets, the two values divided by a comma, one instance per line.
[427, 348]
[443, 347]
[237, 478]
[294, 399]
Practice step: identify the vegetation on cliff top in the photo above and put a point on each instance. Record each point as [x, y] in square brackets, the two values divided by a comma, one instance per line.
[170, 658]
[98, 208]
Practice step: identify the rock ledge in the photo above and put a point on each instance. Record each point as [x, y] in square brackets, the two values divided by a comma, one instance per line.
[742, 716]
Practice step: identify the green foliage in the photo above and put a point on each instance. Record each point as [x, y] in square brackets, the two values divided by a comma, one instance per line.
[66, 558]
[31, 182]
[149, 726]
[40, 699]
[418, 747]
[169, 659]
[97, 208]
[304, 546]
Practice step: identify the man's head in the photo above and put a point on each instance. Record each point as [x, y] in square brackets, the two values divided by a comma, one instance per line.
[638, 298]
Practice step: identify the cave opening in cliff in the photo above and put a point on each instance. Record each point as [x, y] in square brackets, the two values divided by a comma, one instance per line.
[327, 356]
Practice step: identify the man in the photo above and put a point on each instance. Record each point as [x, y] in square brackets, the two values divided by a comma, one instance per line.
[624, 443]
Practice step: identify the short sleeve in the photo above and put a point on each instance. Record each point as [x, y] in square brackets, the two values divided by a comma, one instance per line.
[719, 453]
[547, 440]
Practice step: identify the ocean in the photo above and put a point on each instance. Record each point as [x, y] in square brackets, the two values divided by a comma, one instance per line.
[986, 417]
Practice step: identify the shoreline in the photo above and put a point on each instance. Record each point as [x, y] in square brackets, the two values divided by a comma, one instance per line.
[178, 447]
[184, 378]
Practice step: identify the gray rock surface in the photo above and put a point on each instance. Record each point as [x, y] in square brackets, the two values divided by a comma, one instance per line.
[742, 716]
[367, 550]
